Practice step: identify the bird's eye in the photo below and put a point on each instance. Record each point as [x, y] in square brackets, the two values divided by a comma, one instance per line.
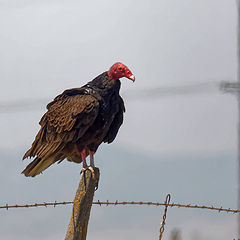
[120, 69]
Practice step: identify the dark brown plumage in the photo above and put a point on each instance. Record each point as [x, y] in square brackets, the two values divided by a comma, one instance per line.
[78, 121]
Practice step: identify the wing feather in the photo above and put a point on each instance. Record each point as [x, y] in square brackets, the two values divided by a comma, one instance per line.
[67, 119]
[116, 123]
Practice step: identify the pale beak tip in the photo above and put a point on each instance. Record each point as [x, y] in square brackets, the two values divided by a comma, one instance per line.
[132, 78]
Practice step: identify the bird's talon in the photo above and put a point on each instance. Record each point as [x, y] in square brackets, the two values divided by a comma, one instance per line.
[90, 168]
[83, 170]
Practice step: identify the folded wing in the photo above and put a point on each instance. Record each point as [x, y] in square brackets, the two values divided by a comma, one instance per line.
[68, 118]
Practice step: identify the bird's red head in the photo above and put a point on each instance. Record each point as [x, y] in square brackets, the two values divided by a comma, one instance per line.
[119, 70]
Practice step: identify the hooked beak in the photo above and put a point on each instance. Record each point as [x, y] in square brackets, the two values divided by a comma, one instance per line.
[132, 78]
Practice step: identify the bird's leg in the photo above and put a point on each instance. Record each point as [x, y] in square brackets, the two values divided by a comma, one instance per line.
[92, 159]
[83, 154]
[85, 166]
[91, 167]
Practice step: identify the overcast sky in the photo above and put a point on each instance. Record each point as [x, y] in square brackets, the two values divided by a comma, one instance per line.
[49, 46]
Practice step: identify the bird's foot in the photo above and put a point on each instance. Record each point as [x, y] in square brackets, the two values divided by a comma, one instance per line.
[90, 168]
[95, 176]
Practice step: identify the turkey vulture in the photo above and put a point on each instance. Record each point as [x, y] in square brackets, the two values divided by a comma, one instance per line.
[78, 121]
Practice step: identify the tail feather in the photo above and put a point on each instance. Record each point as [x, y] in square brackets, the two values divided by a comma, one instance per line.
[30, 167]
[37, 166]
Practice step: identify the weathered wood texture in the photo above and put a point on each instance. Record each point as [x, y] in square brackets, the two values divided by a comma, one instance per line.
[77, 228]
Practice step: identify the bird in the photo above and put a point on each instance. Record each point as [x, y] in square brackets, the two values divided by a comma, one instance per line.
[78, 120]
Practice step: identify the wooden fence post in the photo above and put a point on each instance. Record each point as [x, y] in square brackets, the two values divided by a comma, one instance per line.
[77, 228]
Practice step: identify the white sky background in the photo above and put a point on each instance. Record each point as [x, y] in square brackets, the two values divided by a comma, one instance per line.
[49, 46]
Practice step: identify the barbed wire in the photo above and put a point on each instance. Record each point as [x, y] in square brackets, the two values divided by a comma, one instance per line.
[108, 203]
[167, 201]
